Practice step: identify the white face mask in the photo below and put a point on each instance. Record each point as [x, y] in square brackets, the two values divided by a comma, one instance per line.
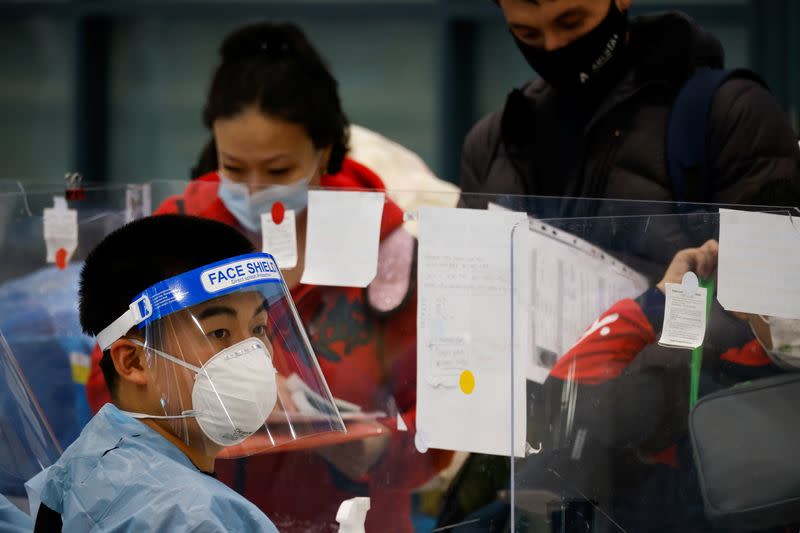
[248, 206]
[233, 392]
[785, 335]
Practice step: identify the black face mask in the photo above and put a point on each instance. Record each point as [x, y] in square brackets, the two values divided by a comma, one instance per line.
[587, 64]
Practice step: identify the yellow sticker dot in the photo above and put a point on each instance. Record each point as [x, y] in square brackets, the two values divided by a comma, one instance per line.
[467, 382]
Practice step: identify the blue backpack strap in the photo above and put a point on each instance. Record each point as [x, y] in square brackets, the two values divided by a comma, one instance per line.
[687, 133]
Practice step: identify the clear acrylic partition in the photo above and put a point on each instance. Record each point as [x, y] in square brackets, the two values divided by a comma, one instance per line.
[27, 444]
[366, 343]
[608, 446]
[473, 492]
[39, 301]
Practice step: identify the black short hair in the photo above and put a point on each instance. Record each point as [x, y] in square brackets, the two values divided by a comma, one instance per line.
[140, 254]
[274, 67]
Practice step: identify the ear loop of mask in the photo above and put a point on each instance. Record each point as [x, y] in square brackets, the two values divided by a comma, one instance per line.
[186, 414]
[168, 357]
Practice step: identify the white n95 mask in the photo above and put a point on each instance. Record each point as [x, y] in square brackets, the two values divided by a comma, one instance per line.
[233, 392]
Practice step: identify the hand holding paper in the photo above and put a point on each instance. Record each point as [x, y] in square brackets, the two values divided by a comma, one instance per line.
[702, 261]
[684, 313]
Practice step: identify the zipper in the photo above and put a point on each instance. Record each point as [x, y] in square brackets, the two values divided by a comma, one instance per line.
[597, 181]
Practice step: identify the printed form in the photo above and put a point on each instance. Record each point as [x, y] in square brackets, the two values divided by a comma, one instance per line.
[573, 283]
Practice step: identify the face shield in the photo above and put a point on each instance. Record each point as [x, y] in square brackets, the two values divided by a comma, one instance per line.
[27, 445]
[227, 361]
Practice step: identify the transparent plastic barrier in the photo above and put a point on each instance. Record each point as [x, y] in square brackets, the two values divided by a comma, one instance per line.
[39, 301]
[608, 428]
[101, 209]
[369, 359]
[27, 444]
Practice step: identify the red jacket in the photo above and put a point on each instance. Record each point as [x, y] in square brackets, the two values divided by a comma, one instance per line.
[368, 358]
[616, 339]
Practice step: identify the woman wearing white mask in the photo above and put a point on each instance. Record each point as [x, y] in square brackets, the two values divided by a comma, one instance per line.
[278, 129]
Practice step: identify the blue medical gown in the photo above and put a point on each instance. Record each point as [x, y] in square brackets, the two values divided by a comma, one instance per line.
[12, 520]
[120, 475]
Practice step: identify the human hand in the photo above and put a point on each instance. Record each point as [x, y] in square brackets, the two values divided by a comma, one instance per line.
[354, 459]
[702, 261]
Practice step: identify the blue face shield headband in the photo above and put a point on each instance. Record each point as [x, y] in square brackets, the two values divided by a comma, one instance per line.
[192, 288]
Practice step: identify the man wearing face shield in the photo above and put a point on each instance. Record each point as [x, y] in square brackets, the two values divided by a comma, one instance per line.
[199, 337]
[594, 123]
[279, 129]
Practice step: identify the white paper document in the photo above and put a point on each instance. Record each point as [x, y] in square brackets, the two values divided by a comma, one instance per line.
[342, 237]
[138, 202]
[573, 283]
[759, 263]
[60, 232]
[684, 316]
[311, 406]
[464, 333]
[280, 240]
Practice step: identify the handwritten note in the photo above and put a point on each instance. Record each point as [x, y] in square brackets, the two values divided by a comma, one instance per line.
[466, 283]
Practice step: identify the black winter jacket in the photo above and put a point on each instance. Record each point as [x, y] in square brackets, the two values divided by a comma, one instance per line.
[616, 150]
[617, 147]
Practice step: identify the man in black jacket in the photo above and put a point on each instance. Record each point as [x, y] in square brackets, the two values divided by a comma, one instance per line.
[594, 123]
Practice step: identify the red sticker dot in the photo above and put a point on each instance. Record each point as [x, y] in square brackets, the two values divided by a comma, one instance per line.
[61, 258]
[278, 211]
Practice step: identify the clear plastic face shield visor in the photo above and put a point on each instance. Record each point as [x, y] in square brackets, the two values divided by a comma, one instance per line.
[228, 365]
[27, 444]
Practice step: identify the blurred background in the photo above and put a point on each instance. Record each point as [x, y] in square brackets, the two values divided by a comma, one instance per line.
[114, 88]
